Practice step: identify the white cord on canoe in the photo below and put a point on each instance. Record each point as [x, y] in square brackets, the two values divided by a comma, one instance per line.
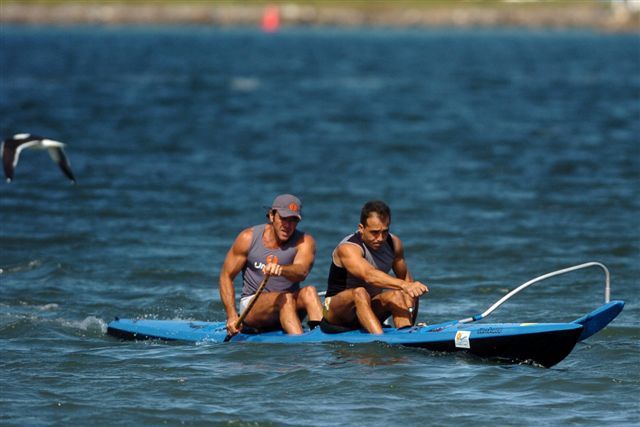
[607, 288]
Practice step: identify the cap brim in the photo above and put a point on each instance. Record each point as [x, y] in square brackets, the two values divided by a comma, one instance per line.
[286, 213]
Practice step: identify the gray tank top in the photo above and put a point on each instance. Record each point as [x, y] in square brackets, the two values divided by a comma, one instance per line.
[252, 274]
[382, 259]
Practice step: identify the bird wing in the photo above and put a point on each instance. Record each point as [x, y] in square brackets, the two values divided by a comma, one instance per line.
[18, 146]
[11, 149]
[58, 156]
[8, 153]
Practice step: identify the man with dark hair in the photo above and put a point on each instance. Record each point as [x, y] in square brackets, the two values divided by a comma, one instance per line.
[360, 292]
[286, 255]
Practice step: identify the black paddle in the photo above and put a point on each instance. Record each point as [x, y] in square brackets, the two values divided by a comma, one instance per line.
[249, 306]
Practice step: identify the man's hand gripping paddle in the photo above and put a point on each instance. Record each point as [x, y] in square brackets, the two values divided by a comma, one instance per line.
[249, 306]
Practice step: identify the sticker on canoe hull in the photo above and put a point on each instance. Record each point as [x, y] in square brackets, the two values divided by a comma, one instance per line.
[462, 339]
[489, 331]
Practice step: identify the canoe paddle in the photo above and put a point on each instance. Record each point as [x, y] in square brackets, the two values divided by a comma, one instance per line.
[249, 306]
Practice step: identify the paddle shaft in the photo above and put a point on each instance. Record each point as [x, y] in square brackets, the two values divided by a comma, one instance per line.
[249, 306]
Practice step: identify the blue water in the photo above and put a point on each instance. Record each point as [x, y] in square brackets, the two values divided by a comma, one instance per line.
[504, 155]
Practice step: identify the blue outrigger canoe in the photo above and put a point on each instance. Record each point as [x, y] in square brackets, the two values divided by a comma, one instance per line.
[545, 344]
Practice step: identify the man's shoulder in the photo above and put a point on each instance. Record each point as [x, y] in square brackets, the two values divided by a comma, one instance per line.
[248, 232]
[350, 244]
[351, 238]
[394, 241]
[244, 238]
[304, 238]
[396, 246]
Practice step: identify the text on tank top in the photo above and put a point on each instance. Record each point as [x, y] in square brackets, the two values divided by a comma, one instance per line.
[252, 275]
[382, 259]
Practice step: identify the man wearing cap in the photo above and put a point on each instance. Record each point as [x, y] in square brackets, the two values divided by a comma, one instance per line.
[361, 293]
[286, 254]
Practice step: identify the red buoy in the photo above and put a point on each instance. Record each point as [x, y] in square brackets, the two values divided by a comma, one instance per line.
[270, 19]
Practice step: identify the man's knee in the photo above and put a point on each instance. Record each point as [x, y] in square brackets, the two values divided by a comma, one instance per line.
[285, 299]
[360, 295]
[399, 298]
[308, 293]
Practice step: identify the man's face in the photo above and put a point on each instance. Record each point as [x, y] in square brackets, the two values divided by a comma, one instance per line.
[283, 227]
[375, 231]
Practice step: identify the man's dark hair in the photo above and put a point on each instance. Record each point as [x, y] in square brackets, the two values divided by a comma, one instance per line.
[375, 206]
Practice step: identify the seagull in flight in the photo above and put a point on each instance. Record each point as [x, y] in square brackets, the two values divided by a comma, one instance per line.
[12, 147]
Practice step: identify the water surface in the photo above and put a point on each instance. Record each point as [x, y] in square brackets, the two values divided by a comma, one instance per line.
[503, 154]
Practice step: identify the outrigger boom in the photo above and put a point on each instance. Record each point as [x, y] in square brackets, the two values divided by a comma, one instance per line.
[607, 288]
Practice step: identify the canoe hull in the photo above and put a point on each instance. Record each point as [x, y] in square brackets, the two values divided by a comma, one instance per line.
[545, 344]
[546, 348]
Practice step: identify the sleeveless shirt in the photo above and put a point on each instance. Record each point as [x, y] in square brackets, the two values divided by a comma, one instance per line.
[382, 259]
[252, 274]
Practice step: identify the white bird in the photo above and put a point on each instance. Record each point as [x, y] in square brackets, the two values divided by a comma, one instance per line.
[12, 147]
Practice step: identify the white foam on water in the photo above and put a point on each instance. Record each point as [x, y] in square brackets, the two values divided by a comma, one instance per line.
[245, 84]
[89, 324]
[49, 307]
[17, 268]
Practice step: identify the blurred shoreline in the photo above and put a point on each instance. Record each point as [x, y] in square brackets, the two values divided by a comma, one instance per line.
[617, 16]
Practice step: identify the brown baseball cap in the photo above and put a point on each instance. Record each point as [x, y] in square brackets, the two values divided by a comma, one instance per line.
[287, 205]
